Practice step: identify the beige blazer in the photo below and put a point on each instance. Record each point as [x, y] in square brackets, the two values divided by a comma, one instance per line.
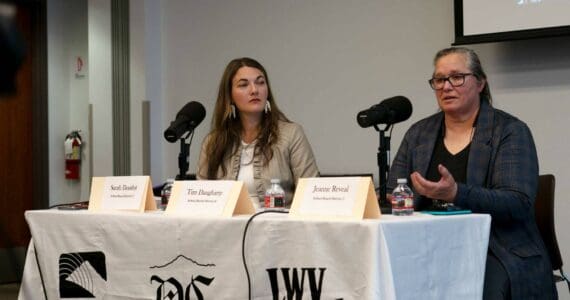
[292, 159]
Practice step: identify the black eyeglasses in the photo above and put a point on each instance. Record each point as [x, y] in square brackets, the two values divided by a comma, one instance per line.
[455, 80]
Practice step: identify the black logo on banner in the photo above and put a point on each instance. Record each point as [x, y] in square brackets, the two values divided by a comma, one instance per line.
[295, 282]
[181, 288]
[81, 274]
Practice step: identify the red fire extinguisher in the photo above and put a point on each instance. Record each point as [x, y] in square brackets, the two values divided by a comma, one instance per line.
[73, 155]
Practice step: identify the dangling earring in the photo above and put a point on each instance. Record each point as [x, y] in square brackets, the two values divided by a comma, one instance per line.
[267, 106]
[232, 111]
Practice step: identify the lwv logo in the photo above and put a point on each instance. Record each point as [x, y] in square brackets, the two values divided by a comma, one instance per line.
[294, 282]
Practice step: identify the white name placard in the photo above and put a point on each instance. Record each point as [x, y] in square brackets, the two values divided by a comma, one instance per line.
[335, 198]
[132, 193]
[209, 198]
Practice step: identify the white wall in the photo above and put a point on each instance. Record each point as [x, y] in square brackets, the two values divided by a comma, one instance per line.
[153, 80]
[100, 85]
[79, 28]
[67, 94]
[138, 85]
[83, 28]
[326, 60]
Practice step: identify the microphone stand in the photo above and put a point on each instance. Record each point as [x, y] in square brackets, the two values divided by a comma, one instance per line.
[183, 163]
[383, 168]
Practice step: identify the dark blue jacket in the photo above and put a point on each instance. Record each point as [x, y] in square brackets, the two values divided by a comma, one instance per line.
[502, 179]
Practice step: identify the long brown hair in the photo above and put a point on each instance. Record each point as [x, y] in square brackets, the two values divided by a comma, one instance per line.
[225, 137]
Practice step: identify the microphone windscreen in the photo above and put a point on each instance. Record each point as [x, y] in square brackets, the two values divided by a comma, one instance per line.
[187, 119]
[400, 107]
[193, 111]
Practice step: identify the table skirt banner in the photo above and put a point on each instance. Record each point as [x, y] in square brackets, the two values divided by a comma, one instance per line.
[80, 254]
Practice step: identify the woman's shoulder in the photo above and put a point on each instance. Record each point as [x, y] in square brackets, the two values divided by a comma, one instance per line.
[290, 132]
[506, 117]
[207, 138]
[289, 127]
[428, 123]
[504, 121]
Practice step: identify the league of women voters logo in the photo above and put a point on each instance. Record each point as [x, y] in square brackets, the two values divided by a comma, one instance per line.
[170, 287]
[293, 280]
[81, 274]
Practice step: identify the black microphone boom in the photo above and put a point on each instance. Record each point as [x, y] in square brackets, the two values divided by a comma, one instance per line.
[390, 111]
[187, 119]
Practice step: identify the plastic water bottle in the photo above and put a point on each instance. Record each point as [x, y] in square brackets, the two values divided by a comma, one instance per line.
[275, 195]
[402, 199]
[165, 193]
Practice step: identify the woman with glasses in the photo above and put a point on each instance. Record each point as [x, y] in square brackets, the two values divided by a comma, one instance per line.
[251, 139]
[476, 157]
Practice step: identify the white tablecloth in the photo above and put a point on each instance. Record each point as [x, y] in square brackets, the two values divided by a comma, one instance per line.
[152, 256]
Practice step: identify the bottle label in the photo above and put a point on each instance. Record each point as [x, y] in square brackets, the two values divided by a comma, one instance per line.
[409, 202]
[402, 202]
[398, 202]
[267, 201]
[278, 201]
[165, 197]
[274, 201]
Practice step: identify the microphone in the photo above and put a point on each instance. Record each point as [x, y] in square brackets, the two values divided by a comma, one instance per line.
[390, 111]
[187, 119]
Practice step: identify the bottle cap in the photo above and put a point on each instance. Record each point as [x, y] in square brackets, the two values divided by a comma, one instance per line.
[402, 180]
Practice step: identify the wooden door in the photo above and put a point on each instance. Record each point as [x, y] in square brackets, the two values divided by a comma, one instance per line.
[22, 164]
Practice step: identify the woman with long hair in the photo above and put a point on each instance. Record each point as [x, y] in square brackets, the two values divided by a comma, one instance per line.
[251, 139]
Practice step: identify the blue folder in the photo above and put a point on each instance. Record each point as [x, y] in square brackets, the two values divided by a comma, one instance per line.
[446, 212]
